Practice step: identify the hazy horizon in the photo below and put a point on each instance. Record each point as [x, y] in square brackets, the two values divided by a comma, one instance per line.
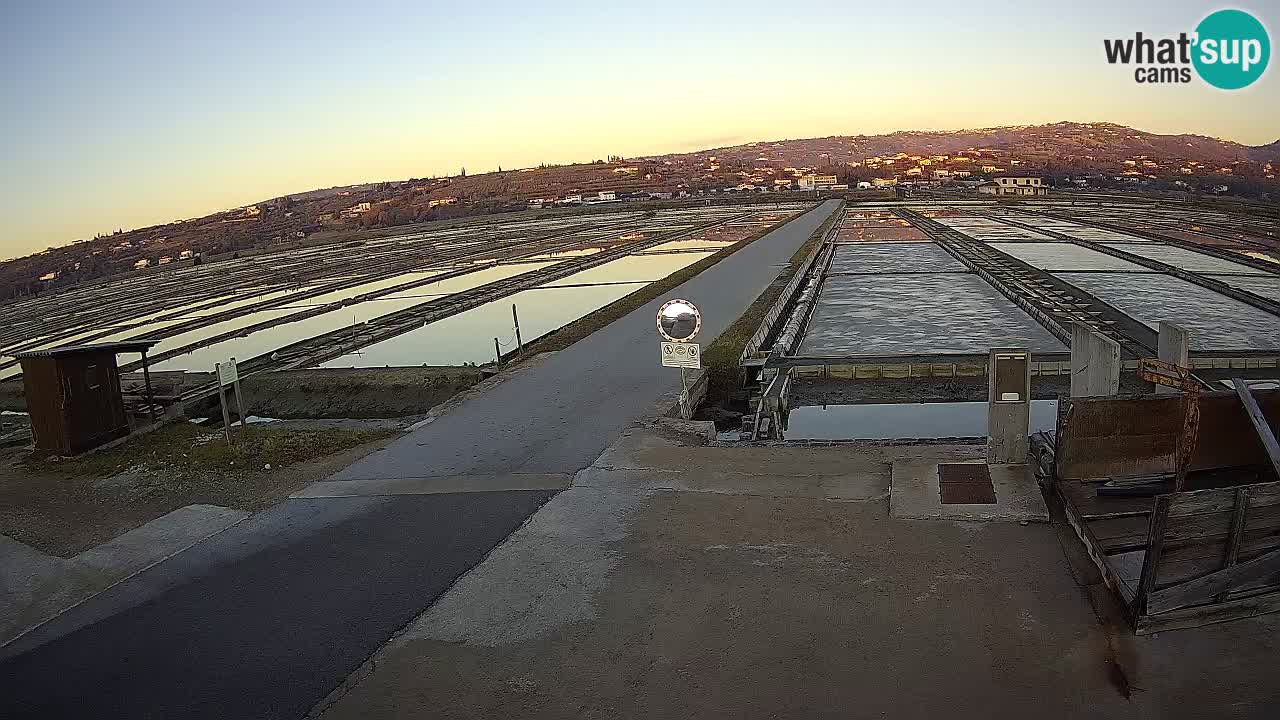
[127, 117]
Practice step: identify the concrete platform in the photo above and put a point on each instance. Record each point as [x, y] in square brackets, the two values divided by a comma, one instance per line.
[619, 599]
[915, 493]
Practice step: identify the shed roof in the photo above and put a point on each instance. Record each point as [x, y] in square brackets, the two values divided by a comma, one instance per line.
[123, 346]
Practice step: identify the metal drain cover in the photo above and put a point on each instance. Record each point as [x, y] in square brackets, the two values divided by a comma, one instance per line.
[966, 484]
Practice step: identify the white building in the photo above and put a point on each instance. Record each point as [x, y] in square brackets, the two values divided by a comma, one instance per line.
[600, 197]
[1020, 185]
[817, 182]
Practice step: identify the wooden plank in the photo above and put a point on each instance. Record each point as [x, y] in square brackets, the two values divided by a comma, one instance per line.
[1259, 421]
[1237, 527]
[1182, 528]
[1232, 554]
[1092, 506]
[1155, 544]
[1181, 563]
[1260, 604]
[1122, 533]
[1195, 502]
[1168, 374]
[1263, 570]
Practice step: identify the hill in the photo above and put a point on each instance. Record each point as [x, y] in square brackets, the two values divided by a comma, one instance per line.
[1105, 153]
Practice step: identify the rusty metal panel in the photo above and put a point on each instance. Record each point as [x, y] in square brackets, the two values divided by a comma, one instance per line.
[1122, 437]
[1118, 437]
[1227, 437]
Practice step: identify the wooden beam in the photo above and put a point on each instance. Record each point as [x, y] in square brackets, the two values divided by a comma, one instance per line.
[1260, 424]
[1155, 545]
[1237, 527]
[1208, 614]
[1263, 570]
[1186, 447]
[1236, 534]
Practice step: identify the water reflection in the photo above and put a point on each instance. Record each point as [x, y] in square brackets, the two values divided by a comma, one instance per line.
[903, 420]
[468, 336]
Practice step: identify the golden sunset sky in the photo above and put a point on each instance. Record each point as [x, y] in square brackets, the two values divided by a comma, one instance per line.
[143, 113]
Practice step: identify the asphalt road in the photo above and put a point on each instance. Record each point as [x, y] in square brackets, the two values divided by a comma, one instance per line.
[560, 416]
[264, 620]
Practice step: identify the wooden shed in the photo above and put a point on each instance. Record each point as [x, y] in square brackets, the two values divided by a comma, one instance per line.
[73, 395]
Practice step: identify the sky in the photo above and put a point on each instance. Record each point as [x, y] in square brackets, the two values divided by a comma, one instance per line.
[128, 114]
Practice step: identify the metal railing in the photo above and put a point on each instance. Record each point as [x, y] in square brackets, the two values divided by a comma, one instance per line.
[779, 306]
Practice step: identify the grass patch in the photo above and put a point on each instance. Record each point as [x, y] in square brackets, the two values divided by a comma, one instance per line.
[65, 506]
[587, 324]
[187, 448]
[721, 357]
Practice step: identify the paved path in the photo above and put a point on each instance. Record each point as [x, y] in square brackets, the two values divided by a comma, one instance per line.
[264, 620]
[559, 417]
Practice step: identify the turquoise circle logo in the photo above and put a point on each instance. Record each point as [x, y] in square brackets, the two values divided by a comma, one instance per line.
[1232, 49]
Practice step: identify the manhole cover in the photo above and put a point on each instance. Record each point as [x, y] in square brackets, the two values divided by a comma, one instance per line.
[966, 484]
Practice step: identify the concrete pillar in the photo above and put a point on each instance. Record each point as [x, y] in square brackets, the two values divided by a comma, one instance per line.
[1095, 363]
[1009, 405]
[1174, 347]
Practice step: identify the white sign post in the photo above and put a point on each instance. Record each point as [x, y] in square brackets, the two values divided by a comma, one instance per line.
[228, 374]
[678, 323]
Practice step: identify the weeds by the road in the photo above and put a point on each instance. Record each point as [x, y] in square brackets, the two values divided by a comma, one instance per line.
[66, 506]
[186, 448]
[721, 357]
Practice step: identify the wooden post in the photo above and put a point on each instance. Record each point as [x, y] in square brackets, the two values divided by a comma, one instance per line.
[516, 319]
[239, 400]
[1237, 527]
[1236, 534]
[497, 351]
[1186, 446]
[146, 379]
[1151, 562]
[686, 412]
[222, 399]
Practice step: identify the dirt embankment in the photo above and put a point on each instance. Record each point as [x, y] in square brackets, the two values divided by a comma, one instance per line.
[355, 393]
[66, 505]
[836, 391]
[307, 394]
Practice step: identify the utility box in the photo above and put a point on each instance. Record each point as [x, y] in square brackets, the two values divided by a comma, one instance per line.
[73, 395]
[1009, 406]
